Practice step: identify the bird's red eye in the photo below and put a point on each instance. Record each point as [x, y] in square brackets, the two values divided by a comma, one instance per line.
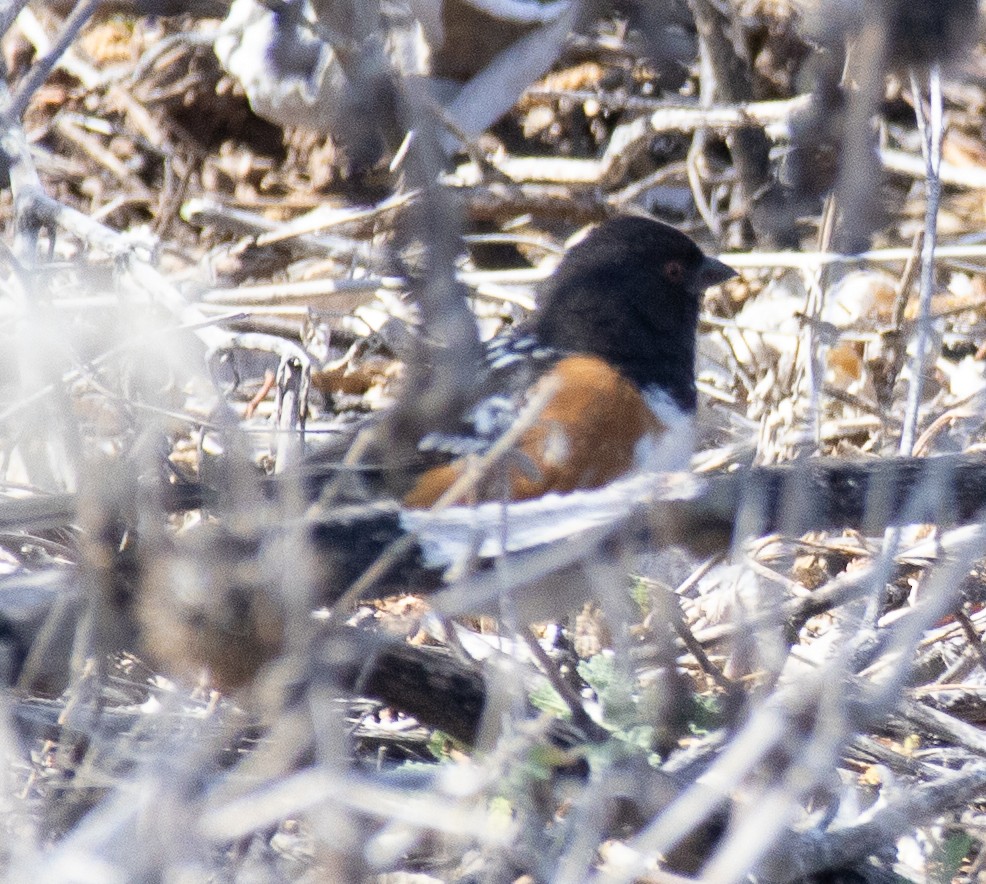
[674, 271]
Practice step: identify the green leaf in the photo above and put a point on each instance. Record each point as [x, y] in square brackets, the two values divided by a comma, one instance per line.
[613, 687]
[547, 699]
[950, 854]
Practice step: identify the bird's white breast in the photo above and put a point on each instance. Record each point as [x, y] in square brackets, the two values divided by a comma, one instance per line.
[672, 448]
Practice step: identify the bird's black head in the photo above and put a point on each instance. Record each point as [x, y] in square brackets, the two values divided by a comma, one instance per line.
[630, 293]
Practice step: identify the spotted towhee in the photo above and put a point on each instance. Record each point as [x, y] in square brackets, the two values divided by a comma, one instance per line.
[614, 337]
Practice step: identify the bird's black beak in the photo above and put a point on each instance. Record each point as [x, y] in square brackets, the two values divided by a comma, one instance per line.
[712, 272]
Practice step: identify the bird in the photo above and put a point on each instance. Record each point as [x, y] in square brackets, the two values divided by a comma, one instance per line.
[609, 353]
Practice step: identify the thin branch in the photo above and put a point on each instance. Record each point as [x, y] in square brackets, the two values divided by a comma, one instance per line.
[932, 132]
[38, 74]
[9, 15]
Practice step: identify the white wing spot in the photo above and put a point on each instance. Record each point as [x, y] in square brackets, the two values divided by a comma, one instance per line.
[557, 446]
